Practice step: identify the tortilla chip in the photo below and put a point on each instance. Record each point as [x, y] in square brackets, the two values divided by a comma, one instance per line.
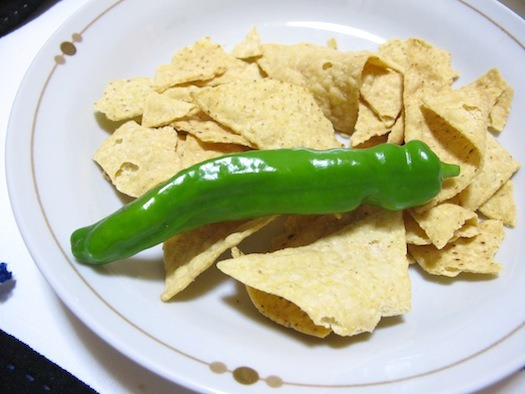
[415, 235]
[198, 62]
[469, 230]
[301, 230]
[474, 255]
[123, 99]
[376, 140]
[269, 114]
[189, 254]
[395, 50]
[193, 151]
[367, 127]
[498, 168]
[467, 110]
[397, 134]
[333, 77]
[382, 89]
[236, 70]
[452, 122]
[137, 158]
[250, 47]
[455, 129]
[208, 130]
[345, 281]
[441, 222]
[231, 69]
[181, 92]
[498, 95]
[501, 205]
[427, 72]
[160, 110]
[500, 111]
[285, 313]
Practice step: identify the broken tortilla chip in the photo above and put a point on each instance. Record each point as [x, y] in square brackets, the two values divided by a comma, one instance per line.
[500, 111]
[474, 255]
[198, 62]
[397, 134]
[367, 127]
[124, 99]
[382, 89]
[137, 158]
[498, 168]
[415, 235]
[160, 110]
[498, 95]
[441, 222]
[427, 71]
[208, 130]
[236, 70]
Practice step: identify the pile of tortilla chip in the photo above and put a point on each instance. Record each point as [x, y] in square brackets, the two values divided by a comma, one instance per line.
[325, 273]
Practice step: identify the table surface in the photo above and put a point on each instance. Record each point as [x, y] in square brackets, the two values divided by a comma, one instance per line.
[32, 302]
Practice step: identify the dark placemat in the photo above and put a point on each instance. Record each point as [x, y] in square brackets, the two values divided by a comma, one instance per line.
[22, 370]
[13, 13]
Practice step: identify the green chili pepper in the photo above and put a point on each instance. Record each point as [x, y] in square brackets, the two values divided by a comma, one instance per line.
[268, 182]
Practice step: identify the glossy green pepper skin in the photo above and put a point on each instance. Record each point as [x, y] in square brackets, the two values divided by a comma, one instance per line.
[261, 183]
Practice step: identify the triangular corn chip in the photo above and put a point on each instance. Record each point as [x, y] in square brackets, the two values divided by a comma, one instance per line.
[345, 281]
[269, 114]
[160, 110]
[123, 99]
[188, 255]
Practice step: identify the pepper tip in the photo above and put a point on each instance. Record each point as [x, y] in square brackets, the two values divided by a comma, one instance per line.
[450, 170]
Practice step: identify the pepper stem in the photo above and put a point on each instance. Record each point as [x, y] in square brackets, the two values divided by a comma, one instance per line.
[449, 170]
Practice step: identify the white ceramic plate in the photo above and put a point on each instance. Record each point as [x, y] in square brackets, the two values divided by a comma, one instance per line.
[461, 335]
